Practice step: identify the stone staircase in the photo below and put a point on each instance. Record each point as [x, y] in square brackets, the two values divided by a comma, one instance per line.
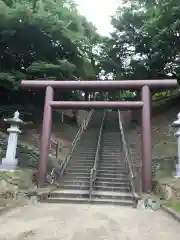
[74, 185]
[112, 184]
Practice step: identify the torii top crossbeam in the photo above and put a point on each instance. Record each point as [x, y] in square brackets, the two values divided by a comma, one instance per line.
[108, 85]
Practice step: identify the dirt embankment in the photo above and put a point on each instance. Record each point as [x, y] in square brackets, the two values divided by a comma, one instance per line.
[13, 185]
[164, 144]
[164, 147]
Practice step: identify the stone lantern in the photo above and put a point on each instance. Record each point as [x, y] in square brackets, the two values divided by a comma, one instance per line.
[10, 162]
[176, 124]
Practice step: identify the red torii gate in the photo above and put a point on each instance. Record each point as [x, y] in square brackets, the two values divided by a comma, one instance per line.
[145, 104]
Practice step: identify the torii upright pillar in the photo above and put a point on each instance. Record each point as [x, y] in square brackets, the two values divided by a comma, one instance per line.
[146, 140]
[45, 137]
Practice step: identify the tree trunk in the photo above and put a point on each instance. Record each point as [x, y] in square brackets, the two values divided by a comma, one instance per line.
[86, 96]
[74, 112]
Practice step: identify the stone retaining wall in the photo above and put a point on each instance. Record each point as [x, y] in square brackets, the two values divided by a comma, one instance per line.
[126, 118]
[132, 134]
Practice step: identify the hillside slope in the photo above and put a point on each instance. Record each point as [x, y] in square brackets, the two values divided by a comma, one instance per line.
[164, 143]
[15, 185]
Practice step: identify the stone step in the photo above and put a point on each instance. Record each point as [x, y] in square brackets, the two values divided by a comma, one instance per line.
[77, 174]
[112, 160]
[86, 155]
[72, 186]
[80, 160]
[116, 161]
[85, 194]
[107, 134]
[80, 165]
[112, 184]
[107, 150]
[75, 178]
[111, 188]
[83, 154]
[107, 147]
[113, 175]
[111, 147]
[69, 193]
[75, 182]
[111, 164]
[113, 157]
[108, 131]
[96, 187]
[77, 170]
[83, 157]
[106, 179]
[111, 138]
[128, 203]
[91, 146]
[112, 169]
[112, 144]
[84, 151]
[109, 153]
[99, 183]
[111, 194]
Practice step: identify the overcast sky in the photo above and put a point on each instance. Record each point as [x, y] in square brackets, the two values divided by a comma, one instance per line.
[99, 12]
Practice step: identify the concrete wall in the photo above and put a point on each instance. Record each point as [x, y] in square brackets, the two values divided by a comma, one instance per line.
[126, 117]
[81, 115]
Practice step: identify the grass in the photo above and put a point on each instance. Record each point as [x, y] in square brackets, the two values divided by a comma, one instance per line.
[22, 178]
[13, 185]
[174, 205]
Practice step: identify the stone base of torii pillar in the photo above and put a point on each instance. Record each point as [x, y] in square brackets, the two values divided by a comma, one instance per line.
[10, 162]
[176, 124]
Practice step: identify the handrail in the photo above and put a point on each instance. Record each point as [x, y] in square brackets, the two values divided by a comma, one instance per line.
[79, 133]
[53, 144]
[93, 171]
[128, 159]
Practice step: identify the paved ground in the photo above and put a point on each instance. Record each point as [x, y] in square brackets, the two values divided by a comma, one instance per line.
[85, 222]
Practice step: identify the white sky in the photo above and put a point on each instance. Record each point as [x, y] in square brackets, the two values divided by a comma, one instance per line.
[99, 12]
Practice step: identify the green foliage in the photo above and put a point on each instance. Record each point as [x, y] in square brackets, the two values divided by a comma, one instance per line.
[145, 42]
[49, 39]
[44, 39]
[174, 205]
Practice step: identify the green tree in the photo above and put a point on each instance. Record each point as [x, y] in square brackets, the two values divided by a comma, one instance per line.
[145, 42]
[44, 39]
